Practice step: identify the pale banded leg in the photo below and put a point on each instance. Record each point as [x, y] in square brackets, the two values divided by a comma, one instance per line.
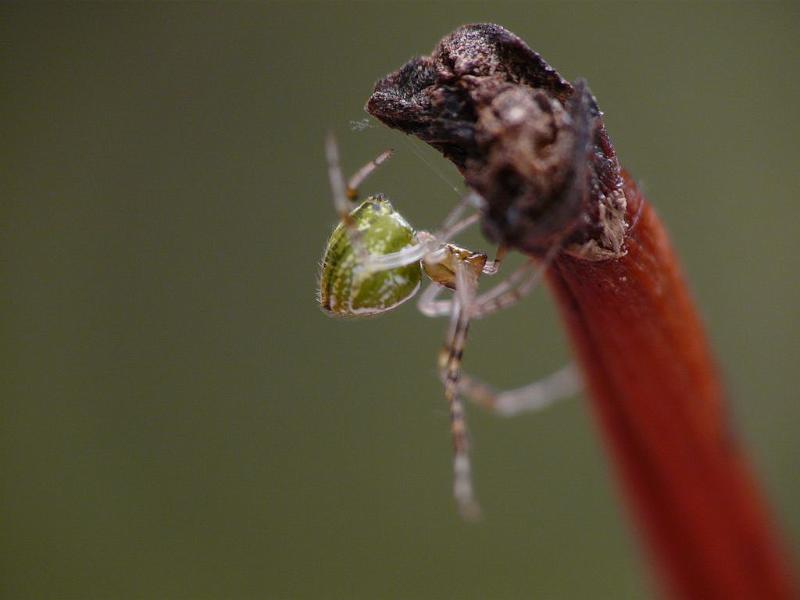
[358, 178]
[450, 364]
[470, 199]
[532, 397]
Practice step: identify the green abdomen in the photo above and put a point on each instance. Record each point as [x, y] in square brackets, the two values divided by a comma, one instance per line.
[345, 289]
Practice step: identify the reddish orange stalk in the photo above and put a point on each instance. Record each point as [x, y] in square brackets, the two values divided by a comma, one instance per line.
[535, 148]
[655, 389]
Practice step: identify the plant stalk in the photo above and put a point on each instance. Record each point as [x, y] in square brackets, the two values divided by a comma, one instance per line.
[535, 148]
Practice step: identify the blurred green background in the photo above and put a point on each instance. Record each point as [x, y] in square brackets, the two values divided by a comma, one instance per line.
[179, 420]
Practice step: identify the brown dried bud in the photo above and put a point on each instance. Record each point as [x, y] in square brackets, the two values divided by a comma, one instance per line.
[531, 144]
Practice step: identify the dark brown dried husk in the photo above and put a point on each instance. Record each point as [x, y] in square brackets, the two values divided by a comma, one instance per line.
[529, 142]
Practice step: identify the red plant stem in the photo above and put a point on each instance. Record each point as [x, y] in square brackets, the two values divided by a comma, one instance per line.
[535, 148]
[655, 390]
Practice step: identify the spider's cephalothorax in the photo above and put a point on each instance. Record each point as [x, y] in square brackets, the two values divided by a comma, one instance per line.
[346, 287]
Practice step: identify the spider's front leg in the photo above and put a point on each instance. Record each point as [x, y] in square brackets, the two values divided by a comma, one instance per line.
[450, 360]
[345, 195]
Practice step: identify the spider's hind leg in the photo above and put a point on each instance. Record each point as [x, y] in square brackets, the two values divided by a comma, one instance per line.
[529, 398]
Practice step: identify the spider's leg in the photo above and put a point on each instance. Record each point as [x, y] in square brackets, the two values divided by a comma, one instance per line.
[518, 285]
[492, 267]
[507, 293]
[450, 364]
[532, 397]
[351, 191]
[471, 198]
[429, 303]
[341, 202]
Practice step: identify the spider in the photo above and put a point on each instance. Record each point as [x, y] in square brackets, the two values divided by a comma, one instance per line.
[375, 260]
